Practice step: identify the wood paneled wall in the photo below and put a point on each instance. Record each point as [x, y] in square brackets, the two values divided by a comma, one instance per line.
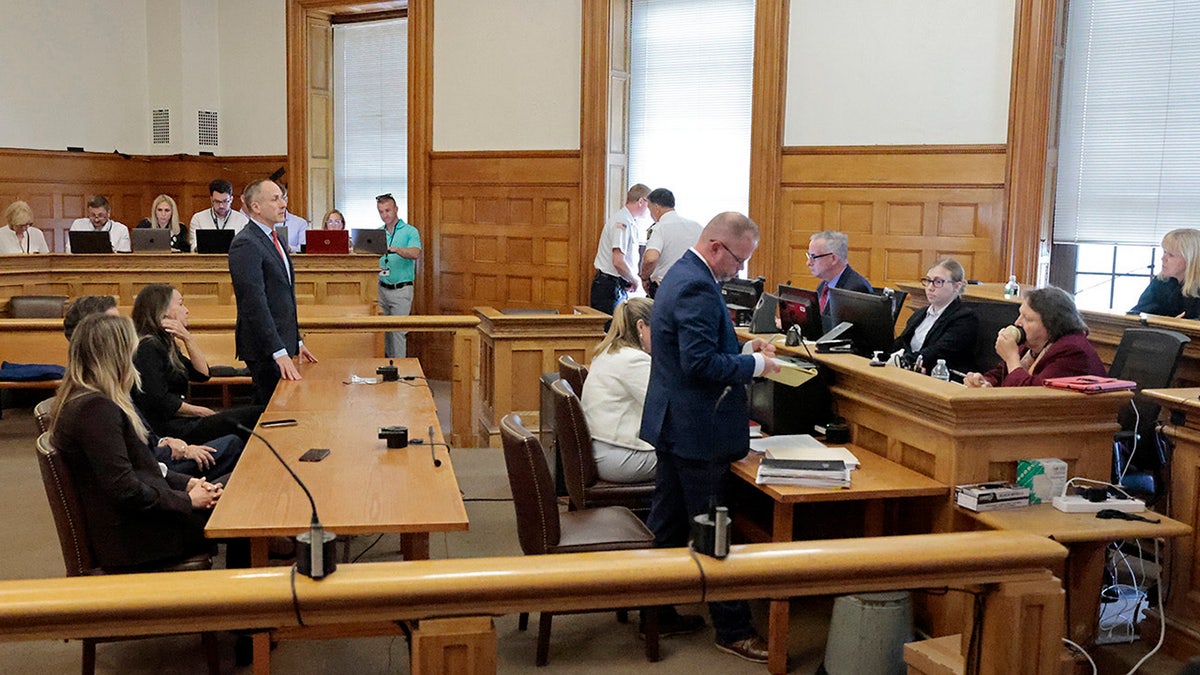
[903, 207]
[58, 184]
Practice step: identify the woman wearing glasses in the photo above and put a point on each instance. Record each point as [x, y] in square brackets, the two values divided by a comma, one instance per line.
[1176, 289]
[18, 234]
[946, 328]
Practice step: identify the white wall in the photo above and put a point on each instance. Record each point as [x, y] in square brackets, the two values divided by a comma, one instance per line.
[880, 72]
[506, 74]
[252, 39]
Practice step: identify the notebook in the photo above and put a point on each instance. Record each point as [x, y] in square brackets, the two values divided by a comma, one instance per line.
[327, 241]
[147, 240]
[90, 242]
[214, 241]
[1089, 384]
[370, 241]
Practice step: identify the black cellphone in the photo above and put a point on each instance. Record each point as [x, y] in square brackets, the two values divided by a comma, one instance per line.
[277, 423]
[314, 455]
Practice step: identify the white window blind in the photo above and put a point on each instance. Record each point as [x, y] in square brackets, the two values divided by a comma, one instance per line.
[1129, 146]
[370, 139]
[691, 74]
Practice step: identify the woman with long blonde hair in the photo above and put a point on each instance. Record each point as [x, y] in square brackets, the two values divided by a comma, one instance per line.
[138, 515]
[165, 215]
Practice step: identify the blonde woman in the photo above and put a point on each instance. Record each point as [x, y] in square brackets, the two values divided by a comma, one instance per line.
[165, 215]
[19, 236]
[1176, 289]
[615, 392]
[138, 513]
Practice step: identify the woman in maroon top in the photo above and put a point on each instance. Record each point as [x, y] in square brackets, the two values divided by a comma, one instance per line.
[1055, 345]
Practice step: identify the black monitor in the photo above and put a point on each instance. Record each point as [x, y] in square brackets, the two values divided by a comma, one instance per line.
[874, 325]
[800, 307]
[742, 292]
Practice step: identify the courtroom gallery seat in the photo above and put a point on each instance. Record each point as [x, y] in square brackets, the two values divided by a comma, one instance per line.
[543, 529]
[574, 372]
[76, 550]
[36, 306]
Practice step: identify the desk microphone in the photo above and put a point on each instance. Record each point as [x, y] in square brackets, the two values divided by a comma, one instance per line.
[313, 561]
[436, 462]
[710, 530]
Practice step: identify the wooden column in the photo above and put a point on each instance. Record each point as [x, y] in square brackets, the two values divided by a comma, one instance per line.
[766, 133]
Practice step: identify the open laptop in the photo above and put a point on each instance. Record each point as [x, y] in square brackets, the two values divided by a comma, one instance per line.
[327, 241]
[90, 242]
[148, 240]
[214, 241]
[370, 241]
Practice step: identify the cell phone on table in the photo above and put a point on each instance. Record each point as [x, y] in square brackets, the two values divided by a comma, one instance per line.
[314, 455]
[277, 423]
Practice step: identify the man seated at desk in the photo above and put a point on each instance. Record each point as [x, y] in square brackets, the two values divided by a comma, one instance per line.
[98, 220]
[1054, 339]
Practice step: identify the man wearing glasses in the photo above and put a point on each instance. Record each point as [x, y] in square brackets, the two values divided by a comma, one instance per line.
[827, 261]
[221, 216]
[397, 271]
[615, 256]
[670, 238]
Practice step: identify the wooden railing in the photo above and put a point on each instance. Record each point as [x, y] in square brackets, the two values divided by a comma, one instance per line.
[1023, 616]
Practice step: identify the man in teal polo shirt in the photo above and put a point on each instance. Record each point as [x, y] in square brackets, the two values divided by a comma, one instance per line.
[397, 271]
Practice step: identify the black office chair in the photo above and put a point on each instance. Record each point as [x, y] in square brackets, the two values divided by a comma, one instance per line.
[898, 298]
[992, 317]
[1148, 356]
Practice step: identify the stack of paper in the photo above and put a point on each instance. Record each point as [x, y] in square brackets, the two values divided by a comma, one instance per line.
[802, 446]
[803, 472]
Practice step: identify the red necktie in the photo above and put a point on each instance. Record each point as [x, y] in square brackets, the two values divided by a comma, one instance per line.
[275, 238]
[824, 297]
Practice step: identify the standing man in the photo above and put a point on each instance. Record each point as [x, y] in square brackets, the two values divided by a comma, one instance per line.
[98, 221]
[695, 414]
[617, 253]
[221, 215]
[670, 237]
[397, 271]
[827, 261]
[267, 335]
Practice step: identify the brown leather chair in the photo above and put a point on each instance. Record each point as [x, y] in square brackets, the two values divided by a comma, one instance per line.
[77, 553]
[543, 529]
[584, 486]
[574, 372]
[37, 306]
[42, 413]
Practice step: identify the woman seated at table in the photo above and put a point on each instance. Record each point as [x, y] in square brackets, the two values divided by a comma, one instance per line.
[946, 328]
[18, 234]
[334, 220]
[164, 215]
[1055, 344]
[162, 323]
[139, 514]
[615, 392]
[1176, 289]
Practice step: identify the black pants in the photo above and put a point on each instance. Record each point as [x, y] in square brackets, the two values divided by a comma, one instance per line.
[265, 375]
[199, 430]
[608, 291]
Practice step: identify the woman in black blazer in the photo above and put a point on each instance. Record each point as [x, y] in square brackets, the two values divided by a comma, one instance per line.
[950, 332]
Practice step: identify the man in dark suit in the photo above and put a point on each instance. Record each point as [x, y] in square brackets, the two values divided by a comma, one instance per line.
[827, 261]
[695, 413]
[267, 335]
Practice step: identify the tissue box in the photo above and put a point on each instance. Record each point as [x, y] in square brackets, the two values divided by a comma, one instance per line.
[1045, 478]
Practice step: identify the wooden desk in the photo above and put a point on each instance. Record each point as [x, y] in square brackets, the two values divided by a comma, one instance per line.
[1086, 538]
[875, 483]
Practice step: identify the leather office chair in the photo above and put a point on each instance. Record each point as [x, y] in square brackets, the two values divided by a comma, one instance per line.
[76, 548]
[1148, 356]
[584, 486]
[992, 317]
[37, 306]
[41, 412]
[898, 298]
[543, 529]
[574, 372]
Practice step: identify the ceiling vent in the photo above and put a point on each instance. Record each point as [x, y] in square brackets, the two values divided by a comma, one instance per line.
[207, 127]
[160, 126]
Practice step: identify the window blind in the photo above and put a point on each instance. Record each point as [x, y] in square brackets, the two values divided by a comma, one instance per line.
[1129, 135]
[691, 74]
[370, 138]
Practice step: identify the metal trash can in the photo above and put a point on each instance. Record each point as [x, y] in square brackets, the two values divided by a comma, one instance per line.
[867, 633]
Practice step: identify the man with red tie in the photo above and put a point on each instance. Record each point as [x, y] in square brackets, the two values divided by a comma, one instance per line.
[267, 335]
[827, 261]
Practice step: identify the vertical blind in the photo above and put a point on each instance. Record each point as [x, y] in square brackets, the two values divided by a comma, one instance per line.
[1129, 136]
[370, 118]
[691, 75]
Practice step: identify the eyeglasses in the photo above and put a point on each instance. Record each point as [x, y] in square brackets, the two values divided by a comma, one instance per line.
[817, 256]
[385, 197]
[335, 221]
[218, 202]
[29, 224]
[936, 283]
[740, 261]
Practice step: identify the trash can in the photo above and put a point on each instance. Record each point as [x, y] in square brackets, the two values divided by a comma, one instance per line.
[867, 633]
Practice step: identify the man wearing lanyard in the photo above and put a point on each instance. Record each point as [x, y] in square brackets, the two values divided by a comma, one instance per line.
[397, 271]
[98, 220]
[221, 216]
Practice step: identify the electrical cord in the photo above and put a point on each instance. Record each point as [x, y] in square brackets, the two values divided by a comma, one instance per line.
[1137, 424]
[700, 567]
[1083, 651]
[368, 548]
[1162, 623]
[295, 598]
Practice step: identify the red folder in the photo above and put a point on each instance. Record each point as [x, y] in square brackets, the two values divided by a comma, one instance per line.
[1089, 384]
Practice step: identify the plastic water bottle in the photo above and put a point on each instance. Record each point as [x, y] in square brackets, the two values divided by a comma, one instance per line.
[941, 371]
[1011, 289]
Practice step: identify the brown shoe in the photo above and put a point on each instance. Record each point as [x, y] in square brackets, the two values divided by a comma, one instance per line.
[752, 648]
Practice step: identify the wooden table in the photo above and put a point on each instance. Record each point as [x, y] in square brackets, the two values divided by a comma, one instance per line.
[362, 487]
[1086, 538]
[875, 483]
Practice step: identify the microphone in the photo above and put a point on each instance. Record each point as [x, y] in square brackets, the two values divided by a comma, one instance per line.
[436, 462]
[710, 531]
[316, 559]
[1015, 332]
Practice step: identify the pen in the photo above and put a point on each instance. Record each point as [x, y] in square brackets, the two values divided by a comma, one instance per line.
[958, 373]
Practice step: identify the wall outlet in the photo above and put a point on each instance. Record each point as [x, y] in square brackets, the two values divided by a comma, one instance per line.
[1078, 504]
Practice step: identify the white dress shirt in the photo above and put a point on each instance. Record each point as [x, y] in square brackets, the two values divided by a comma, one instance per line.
[205, 220]
[33, 241]
[671, 236]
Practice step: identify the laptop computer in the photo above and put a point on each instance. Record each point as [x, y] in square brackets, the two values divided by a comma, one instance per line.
[327, 241]
[370, 241]
[149, 240]
[214, 241]
[90, 242]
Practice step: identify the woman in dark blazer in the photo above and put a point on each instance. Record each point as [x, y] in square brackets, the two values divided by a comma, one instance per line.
[945, 329]
[139, 515]
[1176, 289]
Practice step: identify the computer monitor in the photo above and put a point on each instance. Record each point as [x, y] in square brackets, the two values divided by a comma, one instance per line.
[800, 307]
[872, 318]
[214, 241]
[742, 293]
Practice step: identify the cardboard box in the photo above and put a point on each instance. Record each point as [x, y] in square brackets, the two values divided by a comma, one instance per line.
[991, 496]
[1045, 478]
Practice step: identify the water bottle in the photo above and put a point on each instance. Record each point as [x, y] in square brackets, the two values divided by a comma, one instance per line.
[1011, 289]
[941, 371]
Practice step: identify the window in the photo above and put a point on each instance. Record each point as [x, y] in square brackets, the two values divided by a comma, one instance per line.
[1112, 277]
[691, 73]
[370, 118]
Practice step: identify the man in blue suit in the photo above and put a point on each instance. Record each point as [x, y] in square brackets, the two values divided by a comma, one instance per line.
[695, 413]
[267, 335]
[827, 261]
